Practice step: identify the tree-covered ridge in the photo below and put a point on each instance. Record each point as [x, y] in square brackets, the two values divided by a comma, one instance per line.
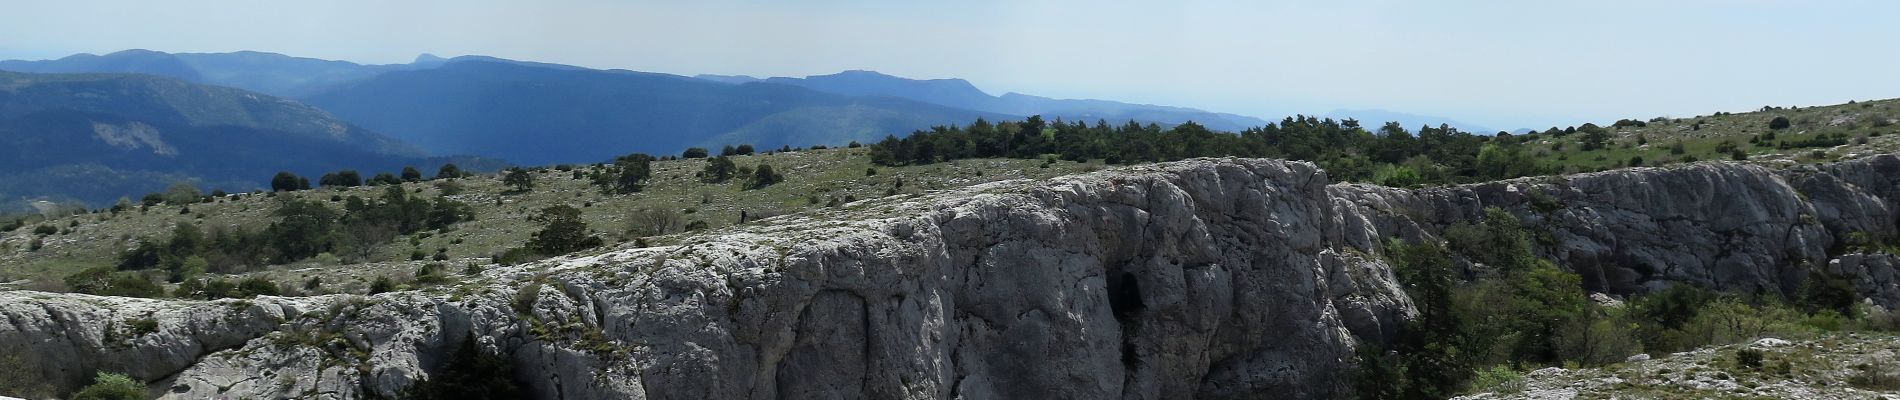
[1392, 155]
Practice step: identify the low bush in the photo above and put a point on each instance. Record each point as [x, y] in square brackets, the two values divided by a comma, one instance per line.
[110, 386]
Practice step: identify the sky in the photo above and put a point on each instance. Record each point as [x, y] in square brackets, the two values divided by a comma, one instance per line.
[1504, 64]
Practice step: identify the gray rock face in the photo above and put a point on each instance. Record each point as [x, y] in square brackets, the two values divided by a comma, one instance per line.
[1728, 226]
[1205, 278]
[1211, 278]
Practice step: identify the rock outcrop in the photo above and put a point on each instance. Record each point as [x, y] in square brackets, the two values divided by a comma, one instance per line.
[1729, 226]
[1209, 278]
[1204, 278]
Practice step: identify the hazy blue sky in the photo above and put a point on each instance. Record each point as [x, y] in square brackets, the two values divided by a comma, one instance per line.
[1503, 64]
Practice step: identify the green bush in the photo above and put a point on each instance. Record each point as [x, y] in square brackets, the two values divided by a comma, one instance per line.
[110, 386]
[1779, 123]
[1748, 358]
[382, 284]
[257, 286]
[1498, 379]
[1498, 240]
[143, 326]
[104, 281]
[1878, 375]
[1598, 341]
[1395, 175]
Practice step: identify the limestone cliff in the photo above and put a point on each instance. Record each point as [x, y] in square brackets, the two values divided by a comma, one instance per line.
[1211, 278]
[1730, 226]
[1206, 278]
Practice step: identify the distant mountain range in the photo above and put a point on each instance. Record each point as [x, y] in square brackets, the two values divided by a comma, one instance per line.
[96, 137]
[83, 126]
[545, 113]
[961, 94]
[538, 115]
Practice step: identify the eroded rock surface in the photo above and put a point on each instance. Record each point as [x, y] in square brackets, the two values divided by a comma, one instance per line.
[1728, 226]
[1211, 278]
[1205, 278]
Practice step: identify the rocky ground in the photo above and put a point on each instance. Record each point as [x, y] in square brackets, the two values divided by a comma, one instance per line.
[1835, 366]
[1205, 278]
[814, 178]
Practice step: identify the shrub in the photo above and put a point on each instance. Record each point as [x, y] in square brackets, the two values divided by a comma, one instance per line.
[1598, 341]
[1748, 358]
[382, 285]
[104, 281]
[143, 326]
[449, 188]
[1499, 379]
[1497, 240]
[1397, 176]
[20, 378]
[526, 297]
[764, 176]
[1730, 320]
[1878, 375]
[431, 274]
[257, 286]
[110, 386]
[1778, 123]
[653, 222]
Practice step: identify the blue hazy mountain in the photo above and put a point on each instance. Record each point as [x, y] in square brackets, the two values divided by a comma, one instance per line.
[96, 137]
[545, 113]
[961, 94]
[537, 114]
[271, 73]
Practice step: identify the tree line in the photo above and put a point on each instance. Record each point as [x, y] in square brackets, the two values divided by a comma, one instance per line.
[286, 181]
[1390, 155]
[302, 229]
